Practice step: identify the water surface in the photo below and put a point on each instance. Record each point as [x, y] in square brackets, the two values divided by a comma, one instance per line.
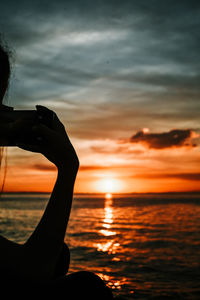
[143, 246]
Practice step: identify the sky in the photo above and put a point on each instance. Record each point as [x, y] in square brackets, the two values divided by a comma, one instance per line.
[123, 77]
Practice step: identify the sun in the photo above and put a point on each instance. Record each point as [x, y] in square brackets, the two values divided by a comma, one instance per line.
[145, 130]
[108, 185]
[108, 196]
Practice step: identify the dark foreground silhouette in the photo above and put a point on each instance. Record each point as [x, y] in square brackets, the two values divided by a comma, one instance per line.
[38, 267]
[77, 285]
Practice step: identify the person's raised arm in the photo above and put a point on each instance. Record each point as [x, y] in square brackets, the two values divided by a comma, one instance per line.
[43, 247]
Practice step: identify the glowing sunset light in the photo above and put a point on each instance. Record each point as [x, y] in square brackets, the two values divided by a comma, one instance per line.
[145, 130]
[108, 186]
[108, 196]
[107, 232]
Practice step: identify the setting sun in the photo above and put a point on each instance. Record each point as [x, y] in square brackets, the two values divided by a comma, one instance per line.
[108, 196]
[108, 186]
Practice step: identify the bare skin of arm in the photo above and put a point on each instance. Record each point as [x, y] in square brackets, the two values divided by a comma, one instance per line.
[45, 244]
[37, 257]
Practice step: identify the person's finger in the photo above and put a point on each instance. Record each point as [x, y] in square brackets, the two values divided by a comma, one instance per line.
[41, 130]
[43, 108]
[56, 123]
[47, 133]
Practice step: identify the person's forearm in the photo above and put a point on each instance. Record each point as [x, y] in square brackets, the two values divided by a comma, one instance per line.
[47, 239]
[53, 223]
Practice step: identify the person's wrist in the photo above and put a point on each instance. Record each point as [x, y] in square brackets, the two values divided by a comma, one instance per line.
[62, 167]
[65, 170]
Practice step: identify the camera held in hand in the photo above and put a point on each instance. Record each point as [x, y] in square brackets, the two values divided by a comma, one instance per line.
[10, 136]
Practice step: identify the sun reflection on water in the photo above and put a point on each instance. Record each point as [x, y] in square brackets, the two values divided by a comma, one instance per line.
[114, 284]
[107, 232]
[108, 217]
[109, 246]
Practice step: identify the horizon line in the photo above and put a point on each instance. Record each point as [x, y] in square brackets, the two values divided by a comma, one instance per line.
[102, 193]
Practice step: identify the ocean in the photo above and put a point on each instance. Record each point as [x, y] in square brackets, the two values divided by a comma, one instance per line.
[145, 246]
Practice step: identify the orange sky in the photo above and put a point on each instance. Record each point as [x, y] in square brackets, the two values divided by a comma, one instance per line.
[124, 80]
[110, 166]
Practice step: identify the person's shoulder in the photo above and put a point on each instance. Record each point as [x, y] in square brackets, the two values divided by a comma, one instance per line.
[6, 244]
[3, 239]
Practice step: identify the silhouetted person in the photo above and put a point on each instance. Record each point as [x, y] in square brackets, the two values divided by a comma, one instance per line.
[41, 263]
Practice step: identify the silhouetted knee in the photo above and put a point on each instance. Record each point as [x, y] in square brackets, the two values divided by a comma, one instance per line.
[63, 262]
[88, 285]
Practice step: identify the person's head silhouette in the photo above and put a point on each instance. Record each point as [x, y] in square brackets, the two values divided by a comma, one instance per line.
[4, 71]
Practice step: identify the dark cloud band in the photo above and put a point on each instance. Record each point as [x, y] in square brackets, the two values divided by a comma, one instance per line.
[173, 138]
[182, 176]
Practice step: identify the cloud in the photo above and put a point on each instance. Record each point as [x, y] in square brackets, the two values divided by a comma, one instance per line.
[115, 60]
[94, 168]
[172, 138]
[117, 149]
[43, 167]
[183, 176]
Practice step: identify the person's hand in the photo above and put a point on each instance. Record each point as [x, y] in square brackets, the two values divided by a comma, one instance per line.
[53, 143]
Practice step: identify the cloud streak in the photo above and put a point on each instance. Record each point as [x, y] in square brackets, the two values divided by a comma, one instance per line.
[43, 167]
[172, 138]
[183, 176]
[112, 56]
